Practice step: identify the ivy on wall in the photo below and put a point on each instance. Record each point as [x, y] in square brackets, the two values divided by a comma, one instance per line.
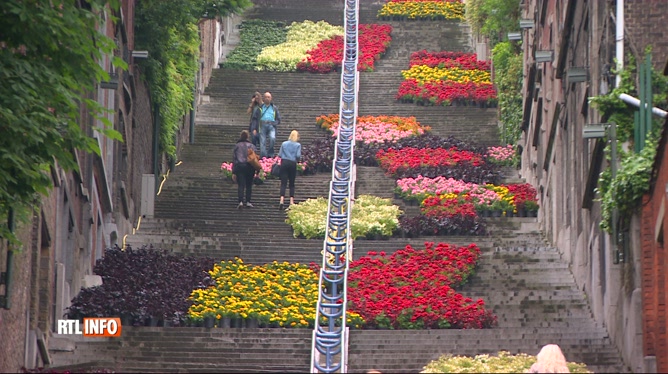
[169, 31]
[494, 19]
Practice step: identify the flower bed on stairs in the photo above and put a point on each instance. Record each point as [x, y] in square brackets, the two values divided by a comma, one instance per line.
[146, 285]
[455, 183]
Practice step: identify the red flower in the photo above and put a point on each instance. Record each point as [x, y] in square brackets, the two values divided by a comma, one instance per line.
[411, 158]
[328, 54]
[414, 288]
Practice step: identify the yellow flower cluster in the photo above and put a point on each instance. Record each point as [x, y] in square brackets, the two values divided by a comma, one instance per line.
[424, 9]
[507, 200]
[282, 294]
[424, 73]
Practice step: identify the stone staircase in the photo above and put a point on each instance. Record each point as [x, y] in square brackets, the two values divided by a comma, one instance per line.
[522, 279]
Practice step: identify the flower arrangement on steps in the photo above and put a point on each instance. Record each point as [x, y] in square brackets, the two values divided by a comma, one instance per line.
[502, 362]
[307, 46]
[372, 217]
[190, 291]
[455, 183]
[285, 295]
[422, 10]
[512, 199]
[447, 78]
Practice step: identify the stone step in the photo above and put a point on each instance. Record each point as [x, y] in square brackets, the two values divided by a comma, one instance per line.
[521, 278]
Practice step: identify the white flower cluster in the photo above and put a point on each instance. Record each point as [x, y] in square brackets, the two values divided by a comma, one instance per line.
[301, 37]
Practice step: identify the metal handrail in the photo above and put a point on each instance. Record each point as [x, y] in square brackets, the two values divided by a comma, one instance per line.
[330, 334]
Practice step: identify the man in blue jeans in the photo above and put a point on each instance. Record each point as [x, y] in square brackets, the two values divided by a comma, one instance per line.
[269, 121]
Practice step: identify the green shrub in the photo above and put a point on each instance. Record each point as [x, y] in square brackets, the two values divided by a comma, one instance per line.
[504, 362]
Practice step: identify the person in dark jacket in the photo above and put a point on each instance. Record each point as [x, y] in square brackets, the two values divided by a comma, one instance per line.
[243, 171]
[290, 153]
[255, 111]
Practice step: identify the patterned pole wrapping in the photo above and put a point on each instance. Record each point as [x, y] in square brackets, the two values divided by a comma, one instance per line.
[329, 349]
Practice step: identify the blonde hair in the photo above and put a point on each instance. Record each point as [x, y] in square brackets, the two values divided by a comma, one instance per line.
[550, 359]
[294, 136]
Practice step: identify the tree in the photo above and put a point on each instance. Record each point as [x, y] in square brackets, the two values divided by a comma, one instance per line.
[49, 53]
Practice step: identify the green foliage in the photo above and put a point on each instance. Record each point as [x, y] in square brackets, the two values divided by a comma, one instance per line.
[493, 18]
[49, 53]
[508, 81]
[625, 191]
[614, 108]
[474, 15]
[220, 8]
[254, 36]
[168, 30]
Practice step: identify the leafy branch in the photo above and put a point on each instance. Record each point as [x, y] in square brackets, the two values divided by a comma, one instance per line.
[168, 30]
[49, 54]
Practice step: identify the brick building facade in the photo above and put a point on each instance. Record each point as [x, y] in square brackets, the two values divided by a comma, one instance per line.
[564, 166]
[654, 223]
[92, 209]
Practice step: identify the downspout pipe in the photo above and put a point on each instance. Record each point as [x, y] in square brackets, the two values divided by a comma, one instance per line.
[5, 300]
[156, 146]
[619, 40]
[193, 111]
[636, 103]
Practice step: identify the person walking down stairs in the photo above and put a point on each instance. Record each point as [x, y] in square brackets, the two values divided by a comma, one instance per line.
[243, 171]
[290, 153]
[270, 118]
[255, 111]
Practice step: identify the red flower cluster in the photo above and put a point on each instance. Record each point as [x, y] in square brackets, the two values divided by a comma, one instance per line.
[412, 158]
[445, 92]
[448, 207]
[328, 55]
[522, 193]
[413, 289]
[445, 59]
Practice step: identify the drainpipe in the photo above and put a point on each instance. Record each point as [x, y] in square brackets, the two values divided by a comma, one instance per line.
[156, 146]
[193, 110]
[6, 277]
[619, 40]
[636, 103]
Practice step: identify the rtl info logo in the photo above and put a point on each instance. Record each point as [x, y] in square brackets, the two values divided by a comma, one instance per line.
[92, 327]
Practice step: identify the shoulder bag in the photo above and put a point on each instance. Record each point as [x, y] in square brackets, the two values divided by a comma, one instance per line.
[254, 160]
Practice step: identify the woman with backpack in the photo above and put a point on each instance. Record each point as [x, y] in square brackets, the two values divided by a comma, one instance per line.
[243, 171]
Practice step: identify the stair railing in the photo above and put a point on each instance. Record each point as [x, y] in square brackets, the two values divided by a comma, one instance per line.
[330, 340]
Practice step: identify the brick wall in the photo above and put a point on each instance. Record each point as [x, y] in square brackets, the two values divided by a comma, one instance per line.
[655, 265]
[646, 23]
[13, 322]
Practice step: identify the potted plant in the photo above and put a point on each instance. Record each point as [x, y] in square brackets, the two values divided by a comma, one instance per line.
[531, 207]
